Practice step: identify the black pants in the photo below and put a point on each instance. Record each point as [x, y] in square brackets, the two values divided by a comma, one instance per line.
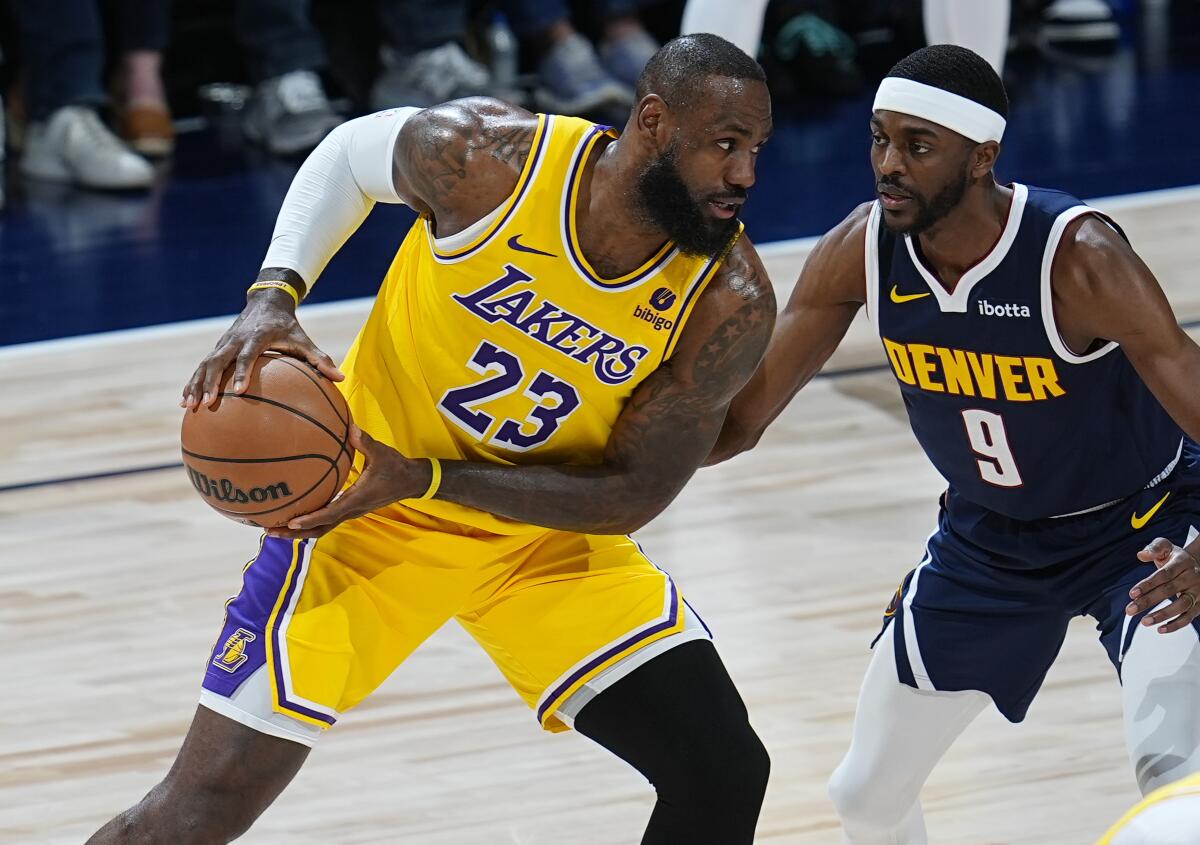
[279, 36]
[64, 47]
[680, 722]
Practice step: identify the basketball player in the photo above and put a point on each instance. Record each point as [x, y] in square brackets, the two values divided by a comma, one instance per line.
[548, 361]
[1048, 381]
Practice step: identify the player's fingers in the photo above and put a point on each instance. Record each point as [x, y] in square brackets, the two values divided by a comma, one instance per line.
[214, 369]
[192, 390]
[1163, 574]
[1176, 614]
[246, 357]
[285, 533]
[299, 345]
[1159, 549]
[324, 363]
[362, 441]
[349, 504]
[1165, 587]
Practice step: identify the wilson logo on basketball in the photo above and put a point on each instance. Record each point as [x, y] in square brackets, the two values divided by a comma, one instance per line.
[224, 490]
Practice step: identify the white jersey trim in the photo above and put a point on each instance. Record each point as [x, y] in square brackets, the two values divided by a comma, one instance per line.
[956, 302]
[458, 240]
[871, 257]
[915, 661]
[573, 704]
[251, 705]
[1052, 333]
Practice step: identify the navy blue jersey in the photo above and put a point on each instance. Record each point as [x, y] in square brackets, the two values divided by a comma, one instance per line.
[1012, 418]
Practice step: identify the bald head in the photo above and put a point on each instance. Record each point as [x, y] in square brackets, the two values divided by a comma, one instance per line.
[681, 69]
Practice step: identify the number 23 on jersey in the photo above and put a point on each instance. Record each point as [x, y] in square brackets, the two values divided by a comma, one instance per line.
[553, 401]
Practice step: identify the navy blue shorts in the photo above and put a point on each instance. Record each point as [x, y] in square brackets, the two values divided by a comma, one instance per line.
[988, 606]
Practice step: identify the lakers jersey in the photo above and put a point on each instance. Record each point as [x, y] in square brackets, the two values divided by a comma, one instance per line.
[501, 343]
[1015, 420]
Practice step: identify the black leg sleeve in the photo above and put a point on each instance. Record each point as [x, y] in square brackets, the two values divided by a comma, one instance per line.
[680, 722]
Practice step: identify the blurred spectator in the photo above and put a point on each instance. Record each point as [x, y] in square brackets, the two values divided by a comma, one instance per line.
[143, 116]
[573, 77]
[63, 48]
[808, 51]
[3, 145]
[979, 25]
[423, 58]
[741, 23]
[289, 111]
[1079, 23]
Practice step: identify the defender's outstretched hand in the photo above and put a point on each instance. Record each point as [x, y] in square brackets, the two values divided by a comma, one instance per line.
[387, 477]
[267, 322]
[1178, 578]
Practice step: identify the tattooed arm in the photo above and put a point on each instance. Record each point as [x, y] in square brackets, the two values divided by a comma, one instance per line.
[455, 162]
[666, 429]
[831, 288]
[460, 160]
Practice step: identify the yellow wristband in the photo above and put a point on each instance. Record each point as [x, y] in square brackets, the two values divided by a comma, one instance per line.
[436, 481]
[276, 283]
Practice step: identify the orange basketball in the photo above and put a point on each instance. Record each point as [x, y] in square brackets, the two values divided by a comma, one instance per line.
[274, 452]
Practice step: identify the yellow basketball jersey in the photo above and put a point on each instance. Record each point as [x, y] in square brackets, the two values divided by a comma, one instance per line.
[502, 344]
[1189, 785]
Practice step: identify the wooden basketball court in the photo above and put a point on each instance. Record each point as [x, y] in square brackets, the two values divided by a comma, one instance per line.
[111, 591]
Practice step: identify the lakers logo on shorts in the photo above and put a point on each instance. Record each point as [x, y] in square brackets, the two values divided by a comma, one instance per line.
[894, 604]
[233, 653]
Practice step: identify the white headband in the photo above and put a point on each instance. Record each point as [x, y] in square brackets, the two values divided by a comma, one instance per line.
[966, 117]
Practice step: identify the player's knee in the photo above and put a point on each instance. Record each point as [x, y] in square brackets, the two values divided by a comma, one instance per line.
[729, 776]
[192, 814]
[861, 799]
[749, 768]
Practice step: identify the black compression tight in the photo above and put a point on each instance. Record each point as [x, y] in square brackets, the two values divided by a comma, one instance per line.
[680, 722]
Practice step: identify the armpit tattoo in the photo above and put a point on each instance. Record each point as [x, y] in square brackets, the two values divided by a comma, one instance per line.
[509, 145]
[437, 159]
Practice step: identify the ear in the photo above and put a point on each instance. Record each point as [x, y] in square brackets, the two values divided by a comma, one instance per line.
[654, 123]
[983, 158]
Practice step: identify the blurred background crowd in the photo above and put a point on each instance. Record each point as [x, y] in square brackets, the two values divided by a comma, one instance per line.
[150, 142]
[95, 90]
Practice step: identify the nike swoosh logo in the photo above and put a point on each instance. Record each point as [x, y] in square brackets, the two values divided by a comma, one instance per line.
[1140, 521]
[513, 243]
[898, 297]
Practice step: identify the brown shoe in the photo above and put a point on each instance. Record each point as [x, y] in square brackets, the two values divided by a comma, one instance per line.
[148, 130]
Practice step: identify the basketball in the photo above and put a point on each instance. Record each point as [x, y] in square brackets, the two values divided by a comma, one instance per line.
[274, 452]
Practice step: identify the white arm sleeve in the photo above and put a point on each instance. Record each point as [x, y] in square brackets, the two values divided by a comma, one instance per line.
[334, 191]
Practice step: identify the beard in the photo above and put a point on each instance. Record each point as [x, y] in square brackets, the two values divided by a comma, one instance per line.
[665, 202]
[930, 211]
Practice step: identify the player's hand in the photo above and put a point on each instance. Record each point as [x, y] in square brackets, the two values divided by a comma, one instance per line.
[387, 477]
[1177, 578]
[267, 322]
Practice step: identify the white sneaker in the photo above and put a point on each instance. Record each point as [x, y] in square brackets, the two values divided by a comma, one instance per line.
[75, 146]
[1080, 21]
[289, 114]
